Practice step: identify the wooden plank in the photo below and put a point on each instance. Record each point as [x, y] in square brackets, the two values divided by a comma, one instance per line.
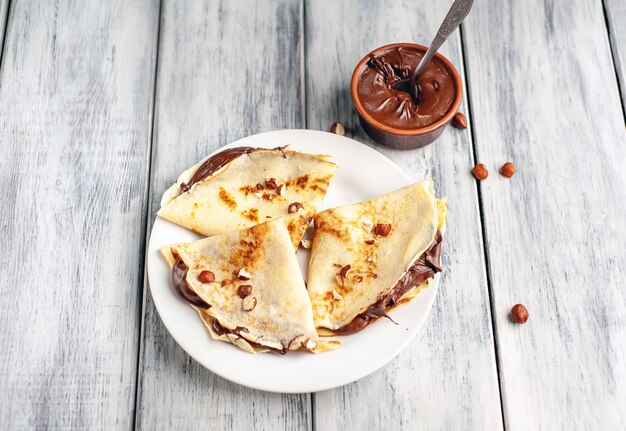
[616, 17]
[544, 95]
[75, 105]
[447, 376]
[227, 69]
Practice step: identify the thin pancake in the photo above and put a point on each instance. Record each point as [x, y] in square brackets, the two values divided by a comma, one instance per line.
[347, 236]
[282, 319]
[228, 191]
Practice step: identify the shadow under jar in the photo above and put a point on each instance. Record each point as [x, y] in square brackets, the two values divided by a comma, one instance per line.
[389, 112]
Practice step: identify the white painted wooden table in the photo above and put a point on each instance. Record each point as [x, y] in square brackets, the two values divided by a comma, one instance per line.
[103, 103]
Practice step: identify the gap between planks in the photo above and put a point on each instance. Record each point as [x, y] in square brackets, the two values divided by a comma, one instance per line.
[4, 33]
[147, 222]
[483, 232]
[613, 51]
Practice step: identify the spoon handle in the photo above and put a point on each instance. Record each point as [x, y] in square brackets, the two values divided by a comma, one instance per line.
[457, 13]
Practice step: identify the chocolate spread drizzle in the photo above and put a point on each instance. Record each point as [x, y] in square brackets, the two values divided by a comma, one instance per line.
[215, 163]
[181, 287]
[425, 267]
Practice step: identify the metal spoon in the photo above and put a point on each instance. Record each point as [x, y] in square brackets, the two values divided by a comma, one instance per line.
[457, 13]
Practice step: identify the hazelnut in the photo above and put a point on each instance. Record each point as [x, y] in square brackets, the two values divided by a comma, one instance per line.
[370, 241]
[367, 225]
[281, 190]
[244, 290]
[382, 229]
[338, 129]
[206, 277]
[507, 170]
[480, 171]
[270, 183]
[259, 186]
[459, 121]
[243, 274]
[344, 271]
[249, 302]
[295, 207]
[309, 344]
[306, 243]
[519, 314]
[301, 342]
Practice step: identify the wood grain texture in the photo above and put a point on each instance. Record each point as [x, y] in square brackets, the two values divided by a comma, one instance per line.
[76, 89]
[544, 95]
[616, 17]
[227, 69]
[446, 378]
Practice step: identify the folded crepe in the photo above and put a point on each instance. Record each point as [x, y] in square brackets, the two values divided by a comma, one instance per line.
[370, 257]
[247, 287]
[241, 187]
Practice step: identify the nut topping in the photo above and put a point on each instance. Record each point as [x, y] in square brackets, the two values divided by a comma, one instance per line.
[306, 243]
[519, 314]
[370, 241]
[281, 190]
[249, 302]
[507, 170]
[295, 207]
[243, 274]
[206, 277]
[271, 183]
[336, 295]
[338, 129]
[459, 121]
[259, 186]
[480, 171]
[301, 342]
[344, 271]
[382, 229]
[367, 225]
[309, 344]
[244, 290]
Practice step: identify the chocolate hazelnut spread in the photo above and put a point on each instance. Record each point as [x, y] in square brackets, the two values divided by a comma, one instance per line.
[425, 267]
[215, 163]
[383, 89]
[179, 281]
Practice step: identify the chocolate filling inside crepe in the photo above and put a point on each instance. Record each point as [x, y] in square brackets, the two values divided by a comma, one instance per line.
[424, 268]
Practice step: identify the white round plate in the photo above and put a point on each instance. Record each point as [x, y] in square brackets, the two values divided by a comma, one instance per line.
[363, 174]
